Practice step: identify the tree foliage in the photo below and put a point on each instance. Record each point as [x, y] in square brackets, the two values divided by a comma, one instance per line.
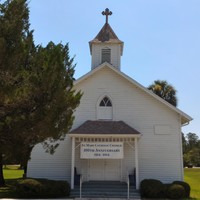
[191, 150]
[37, 99]
[165, 91]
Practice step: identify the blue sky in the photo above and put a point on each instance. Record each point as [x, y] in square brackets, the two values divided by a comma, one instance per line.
[161, 40]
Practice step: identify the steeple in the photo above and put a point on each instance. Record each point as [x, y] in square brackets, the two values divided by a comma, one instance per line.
[106, 47]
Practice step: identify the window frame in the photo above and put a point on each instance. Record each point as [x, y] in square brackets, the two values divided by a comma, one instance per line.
[104, 108]
[105, 102]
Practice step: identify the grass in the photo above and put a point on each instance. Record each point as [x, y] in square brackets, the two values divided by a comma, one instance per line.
[17, 187]
[192, 176]
[12, 174]
[8, 191]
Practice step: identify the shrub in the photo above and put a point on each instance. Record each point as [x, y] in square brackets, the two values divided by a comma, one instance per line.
[176, 191]
[42, 188]
[186, 187]
[166, 186]
[151, 188]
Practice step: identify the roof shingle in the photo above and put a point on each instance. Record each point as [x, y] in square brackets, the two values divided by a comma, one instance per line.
[104, 127]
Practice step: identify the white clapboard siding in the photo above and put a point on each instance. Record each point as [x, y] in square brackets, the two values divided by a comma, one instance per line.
[160, 155]
[115, 54]
[55, 167]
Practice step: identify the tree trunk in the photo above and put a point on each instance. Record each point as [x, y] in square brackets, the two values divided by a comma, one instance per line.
[25, 171]
[24, 161]
[2, 181]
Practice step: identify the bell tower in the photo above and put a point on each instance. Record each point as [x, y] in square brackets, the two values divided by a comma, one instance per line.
[106, 47]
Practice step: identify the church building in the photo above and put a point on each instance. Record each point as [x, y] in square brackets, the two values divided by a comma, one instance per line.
[120, 129]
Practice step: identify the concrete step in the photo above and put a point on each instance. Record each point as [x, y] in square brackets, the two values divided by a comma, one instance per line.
[107, 198]
[110, 189]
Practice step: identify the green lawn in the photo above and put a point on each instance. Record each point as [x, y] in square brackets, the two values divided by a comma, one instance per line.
[11, 174]
[192, 176]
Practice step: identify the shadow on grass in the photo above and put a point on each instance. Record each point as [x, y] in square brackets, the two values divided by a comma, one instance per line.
[9, 190]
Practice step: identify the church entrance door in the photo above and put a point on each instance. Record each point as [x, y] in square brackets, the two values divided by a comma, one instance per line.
[105, 169]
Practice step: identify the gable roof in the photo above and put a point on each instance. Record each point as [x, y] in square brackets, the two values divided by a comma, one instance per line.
[184, 117]
[105, 128]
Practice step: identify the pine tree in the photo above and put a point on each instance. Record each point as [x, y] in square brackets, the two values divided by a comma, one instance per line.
[37, 99]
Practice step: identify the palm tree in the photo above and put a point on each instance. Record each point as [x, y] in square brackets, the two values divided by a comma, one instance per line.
[165, 91]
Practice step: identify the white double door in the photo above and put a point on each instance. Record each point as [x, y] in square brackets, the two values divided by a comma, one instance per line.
[105, 169]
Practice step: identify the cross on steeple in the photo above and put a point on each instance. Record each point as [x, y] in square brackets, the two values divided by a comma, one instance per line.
[106, 13]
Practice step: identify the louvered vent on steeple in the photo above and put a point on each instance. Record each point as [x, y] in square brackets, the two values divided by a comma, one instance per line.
[105, 55]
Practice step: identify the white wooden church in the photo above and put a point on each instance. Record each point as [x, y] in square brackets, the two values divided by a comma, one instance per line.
[120, 127]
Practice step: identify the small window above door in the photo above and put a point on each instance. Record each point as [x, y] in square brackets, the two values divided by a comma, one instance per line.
[105, 109]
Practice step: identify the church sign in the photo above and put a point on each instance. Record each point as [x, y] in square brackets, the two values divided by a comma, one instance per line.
[102, 150]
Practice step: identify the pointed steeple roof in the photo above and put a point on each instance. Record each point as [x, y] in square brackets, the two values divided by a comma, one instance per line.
[106, 34]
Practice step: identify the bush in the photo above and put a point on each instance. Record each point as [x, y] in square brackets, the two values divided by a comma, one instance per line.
[151, 188]
[42, 188]
[186, 187]
[176, 191]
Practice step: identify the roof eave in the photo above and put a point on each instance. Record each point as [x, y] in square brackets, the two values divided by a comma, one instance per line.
[104, 135]
[95, 41]
[91, 72]
[185, 117]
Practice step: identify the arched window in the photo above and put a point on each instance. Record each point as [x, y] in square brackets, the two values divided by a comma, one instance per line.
[105, 55]
[105, 102]
[104, 109]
